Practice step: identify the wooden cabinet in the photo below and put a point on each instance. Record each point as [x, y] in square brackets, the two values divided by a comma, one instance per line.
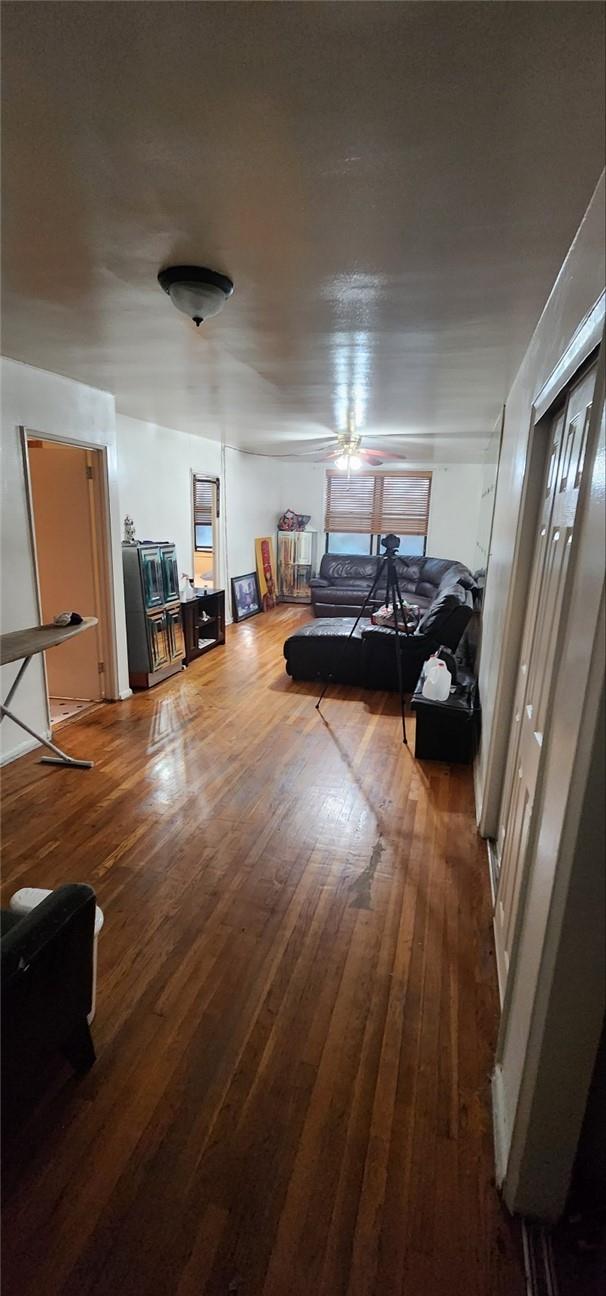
[203, 623]
[153, 613]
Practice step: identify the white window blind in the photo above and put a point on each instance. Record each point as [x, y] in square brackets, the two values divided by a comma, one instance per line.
[203, 500]
[377, 502]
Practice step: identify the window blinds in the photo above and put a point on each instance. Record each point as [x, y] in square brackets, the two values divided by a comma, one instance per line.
[203, 500]
[376, 502]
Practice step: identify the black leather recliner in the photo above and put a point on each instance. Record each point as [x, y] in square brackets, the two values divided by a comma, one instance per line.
[46, 961]
[344, 581]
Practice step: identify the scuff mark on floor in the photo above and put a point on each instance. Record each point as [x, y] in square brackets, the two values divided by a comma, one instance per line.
[362, 887]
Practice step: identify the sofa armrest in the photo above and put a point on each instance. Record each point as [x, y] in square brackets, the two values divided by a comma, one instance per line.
[69, 908]
[317, 582]
[47, 977]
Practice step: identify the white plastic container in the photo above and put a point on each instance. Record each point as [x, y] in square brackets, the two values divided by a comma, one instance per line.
[437, 682]
[27, 898]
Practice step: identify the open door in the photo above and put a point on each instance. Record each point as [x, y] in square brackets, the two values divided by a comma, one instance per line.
[65, 527]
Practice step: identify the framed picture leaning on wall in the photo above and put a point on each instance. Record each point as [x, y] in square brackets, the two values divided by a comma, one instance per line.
[245, 598]
[264, 556]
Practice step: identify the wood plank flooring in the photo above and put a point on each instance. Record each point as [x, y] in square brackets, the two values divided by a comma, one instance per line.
[296, 1010]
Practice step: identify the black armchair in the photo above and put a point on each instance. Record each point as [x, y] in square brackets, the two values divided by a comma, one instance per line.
[46, 960]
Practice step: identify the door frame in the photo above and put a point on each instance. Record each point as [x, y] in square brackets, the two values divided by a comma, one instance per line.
[543, 436]
[102, 550]
[216, 481]
[585, 340]
[554, 1004]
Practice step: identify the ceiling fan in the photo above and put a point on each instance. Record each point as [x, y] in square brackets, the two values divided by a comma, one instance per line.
[349, 455]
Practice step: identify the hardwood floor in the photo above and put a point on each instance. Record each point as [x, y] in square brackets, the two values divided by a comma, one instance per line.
[296, 1010]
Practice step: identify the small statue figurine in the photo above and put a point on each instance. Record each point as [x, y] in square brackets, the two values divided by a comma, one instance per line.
[129, 531]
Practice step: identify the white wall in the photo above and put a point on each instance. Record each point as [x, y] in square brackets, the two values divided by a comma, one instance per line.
[252, 493]
[487, 497]
[155, 467]
[56, 406]
[154, 470]
[577, 288]
[454, 512]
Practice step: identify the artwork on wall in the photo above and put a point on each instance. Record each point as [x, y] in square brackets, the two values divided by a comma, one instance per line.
[245, 598]
[264, 555]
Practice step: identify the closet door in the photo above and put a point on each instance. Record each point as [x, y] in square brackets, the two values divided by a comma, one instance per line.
[538, 659]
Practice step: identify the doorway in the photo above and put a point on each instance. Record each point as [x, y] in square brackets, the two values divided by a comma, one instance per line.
[205, 513]
[67, 537]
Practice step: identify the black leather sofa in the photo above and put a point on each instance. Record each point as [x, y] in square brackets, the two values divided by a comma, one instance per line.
[344, 582]
[322, 649]
[46, 963]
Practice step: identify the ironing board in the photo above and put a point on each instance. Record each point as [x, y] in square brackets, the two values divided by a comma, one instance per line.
[25, 644]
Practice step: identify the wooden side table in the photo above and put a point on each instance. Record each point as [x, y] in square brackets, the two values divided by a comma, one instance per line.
[203, 623]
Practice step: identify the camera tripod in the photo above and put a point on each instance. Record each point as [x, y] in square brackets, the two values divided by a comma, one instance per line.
[390, 543]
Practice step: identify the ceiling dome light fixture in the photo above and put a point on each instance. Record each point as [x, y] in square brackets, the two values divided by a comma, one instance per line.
[198, 292]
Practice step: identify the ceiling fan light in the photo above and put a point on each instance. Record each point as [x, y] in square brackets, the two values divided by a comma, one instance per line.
[342, 462]
[355, 461]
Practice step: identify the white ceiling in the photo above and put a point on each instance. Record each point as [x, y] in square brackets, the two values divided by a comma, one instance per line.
[392, 187]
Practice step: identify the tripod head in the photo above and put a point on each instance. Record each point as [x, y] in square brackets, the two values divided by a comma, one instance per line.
[390, 543]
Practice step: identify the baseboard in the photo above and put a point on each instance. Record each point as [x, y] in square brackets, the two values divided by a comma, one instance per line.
[22, 749]
[539, 1266]
[499, 1126]
[493, 868]
[126, 693]
[477, 791]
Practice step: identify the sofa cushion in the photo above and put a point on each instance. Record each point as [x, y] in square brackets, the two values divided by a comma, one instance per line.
[342, 594]
[345, 568]
[437, 616]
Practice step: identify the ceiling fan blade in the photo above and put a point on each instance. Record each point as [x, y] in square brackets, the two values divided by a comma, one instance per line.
[317, 452]
[386, 454]
[383, 454]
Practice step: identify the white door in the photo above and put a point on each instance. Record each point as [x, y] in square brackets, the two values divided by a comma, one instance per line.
[547, 595]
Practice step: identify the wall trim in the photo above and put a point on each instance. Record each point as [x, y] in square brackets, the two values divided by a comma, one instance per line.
[499, 1125]
[539, 1266]
[583, 342]
[22, 748]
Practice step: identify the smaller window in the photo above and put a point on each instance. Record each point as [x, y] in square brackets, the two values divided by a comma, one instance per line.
[204, 536]
[412, 546]
[344, 542]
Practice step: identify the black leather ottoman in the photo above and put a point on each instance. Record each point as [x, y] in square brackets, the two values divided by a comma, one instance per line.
[322, 650]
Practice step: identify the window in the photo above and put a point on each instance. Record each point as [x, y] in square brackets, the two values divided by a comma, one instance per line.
[345, 543]
[204, 536]
[205, 492]
[363, 507]
[204, 488]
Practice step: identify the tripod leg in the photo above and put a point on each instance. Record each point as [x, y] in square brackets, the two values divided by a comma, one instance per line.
[392, 581]
[356, 623]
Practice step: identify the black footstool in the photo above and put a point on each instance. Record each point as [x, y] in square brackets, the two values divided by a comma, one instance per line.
[447, 731]
[322, 650]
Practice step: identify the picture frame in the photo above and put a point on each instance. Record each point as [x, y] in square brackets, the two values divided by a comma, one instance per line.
[245, 597]
[266, 577]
